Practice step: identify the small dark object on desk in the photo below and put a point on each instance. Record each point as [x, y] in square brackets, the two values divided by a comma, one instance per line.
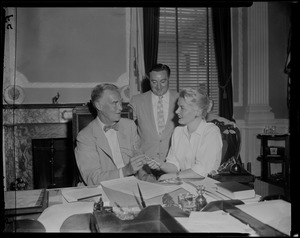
[167, 200]
[201, 201]
[99, 205]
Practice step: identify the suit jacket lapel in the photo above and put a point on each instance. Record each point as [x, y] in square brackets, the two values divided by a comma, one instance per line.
[123, 136]
[101, 138]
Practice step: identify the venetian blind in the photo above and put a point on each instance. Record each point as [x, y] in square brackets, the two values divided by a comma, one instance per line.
[186, 46]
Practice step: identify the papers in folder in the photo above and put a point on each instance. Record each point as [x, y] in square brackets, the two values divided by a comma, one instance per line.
[124, 191]
[80, 193]
[128, 185]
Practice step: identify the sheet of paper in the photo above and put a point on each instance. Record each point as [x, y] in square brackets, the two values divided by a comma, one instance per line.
[210, 187]
[275, 213]
[215, 222]
[22, 198]
[149, 190]
[73, 194]
[53, 217]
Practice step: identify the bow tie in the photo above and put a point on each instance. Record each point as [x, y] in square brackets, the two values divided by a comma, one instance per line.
[114, 126]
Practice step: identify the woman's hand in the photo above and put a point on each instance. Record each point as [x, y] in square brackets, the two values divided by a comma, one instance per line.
[213, 173]
[134, 165]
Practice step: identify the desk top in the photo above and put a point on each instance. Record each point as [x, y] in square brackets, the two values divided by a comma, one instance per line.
[59, 210]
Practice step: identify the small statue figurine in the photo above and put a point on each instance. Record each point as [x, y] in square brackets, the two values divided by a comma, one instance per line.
[19, 184]
[55, 98]
[200, 199]
[99, 206]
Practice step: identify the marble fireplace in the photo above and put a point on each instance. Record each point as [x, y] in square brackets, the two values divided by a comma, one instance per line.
[23, 124]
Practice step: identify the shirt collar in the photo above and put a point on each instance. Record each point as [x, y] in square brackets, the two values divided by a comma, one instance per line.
[101, 123]
[165, 96]
[197, 131]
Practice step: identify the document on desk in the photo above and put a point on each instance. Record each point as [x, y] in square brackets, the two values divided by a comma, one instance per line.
[80, 193]
[275, 213]
[215, 222]
[23, 198]
[54, 216]
[128, 185]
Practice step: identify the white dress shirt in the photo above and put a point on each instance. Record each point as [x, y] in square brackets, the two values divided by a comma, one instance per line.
[201, 153]
[112, 138]
[165, 100]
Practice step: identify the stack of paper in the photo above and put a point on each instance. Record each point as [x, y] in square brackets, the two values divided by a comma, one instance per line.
[214, 222]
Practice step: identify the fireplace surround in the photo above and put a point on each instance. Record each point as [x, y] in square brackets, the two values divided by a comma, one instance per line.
[24, 123]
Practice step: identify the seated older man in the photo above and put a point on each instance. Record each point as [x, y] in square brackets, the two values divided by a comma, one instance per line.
[107, 147]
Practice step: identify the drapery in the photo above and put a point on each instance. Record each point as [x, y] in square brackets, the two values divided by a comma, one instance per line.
[151, 36]
[222, 39]
[136, 52]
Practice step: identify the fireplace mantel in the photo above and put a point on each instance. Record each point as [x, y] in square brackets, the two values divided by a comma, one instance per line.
[38, 106]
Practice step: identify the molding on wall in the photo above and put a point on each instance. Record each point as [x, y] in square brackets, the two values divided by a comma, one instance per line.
[22, 81]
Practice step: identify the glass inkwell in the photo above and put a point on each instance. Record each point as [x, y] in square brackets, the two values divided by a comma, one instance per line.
[200, 200]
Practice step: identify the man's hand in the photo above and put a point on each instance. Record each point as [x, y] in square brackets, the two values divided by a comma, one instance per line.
[153, 164]
[134, 165]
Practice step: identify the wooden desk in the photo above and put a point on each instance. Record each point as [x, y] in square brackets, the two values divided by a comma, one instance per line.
[80, 222]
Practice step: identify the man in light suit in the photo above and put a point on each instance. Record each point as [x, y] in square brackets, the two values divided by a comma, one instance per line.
[108, 147]
[153, 143]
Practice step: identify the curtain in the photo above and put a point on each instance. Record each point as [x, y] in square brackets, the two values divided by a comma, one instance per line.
[222, 39]
[136, 53]
[151, 34]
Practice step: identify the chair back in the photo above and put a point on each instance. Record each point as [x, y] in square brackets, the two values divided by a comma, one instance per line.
[82, 116]
[231, 137]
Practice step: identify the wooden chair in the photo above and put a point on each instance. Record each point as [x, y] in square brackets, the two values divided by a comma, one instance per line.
[231, 138]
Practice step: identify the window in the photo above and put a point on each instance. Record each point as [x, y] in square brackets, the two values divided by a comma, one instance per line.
[186, 46]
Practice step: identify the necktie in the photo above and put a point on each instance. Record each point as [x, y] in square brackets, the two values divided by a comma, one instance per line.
[160, 115]
[114, 126]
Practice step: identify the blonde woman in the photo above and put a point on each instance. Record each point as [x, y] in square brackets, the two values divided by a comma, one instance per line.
[196, 146]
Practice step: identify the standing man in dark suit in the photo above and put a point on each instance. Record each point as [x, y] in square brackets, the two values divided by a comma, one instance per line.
[154, 113]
